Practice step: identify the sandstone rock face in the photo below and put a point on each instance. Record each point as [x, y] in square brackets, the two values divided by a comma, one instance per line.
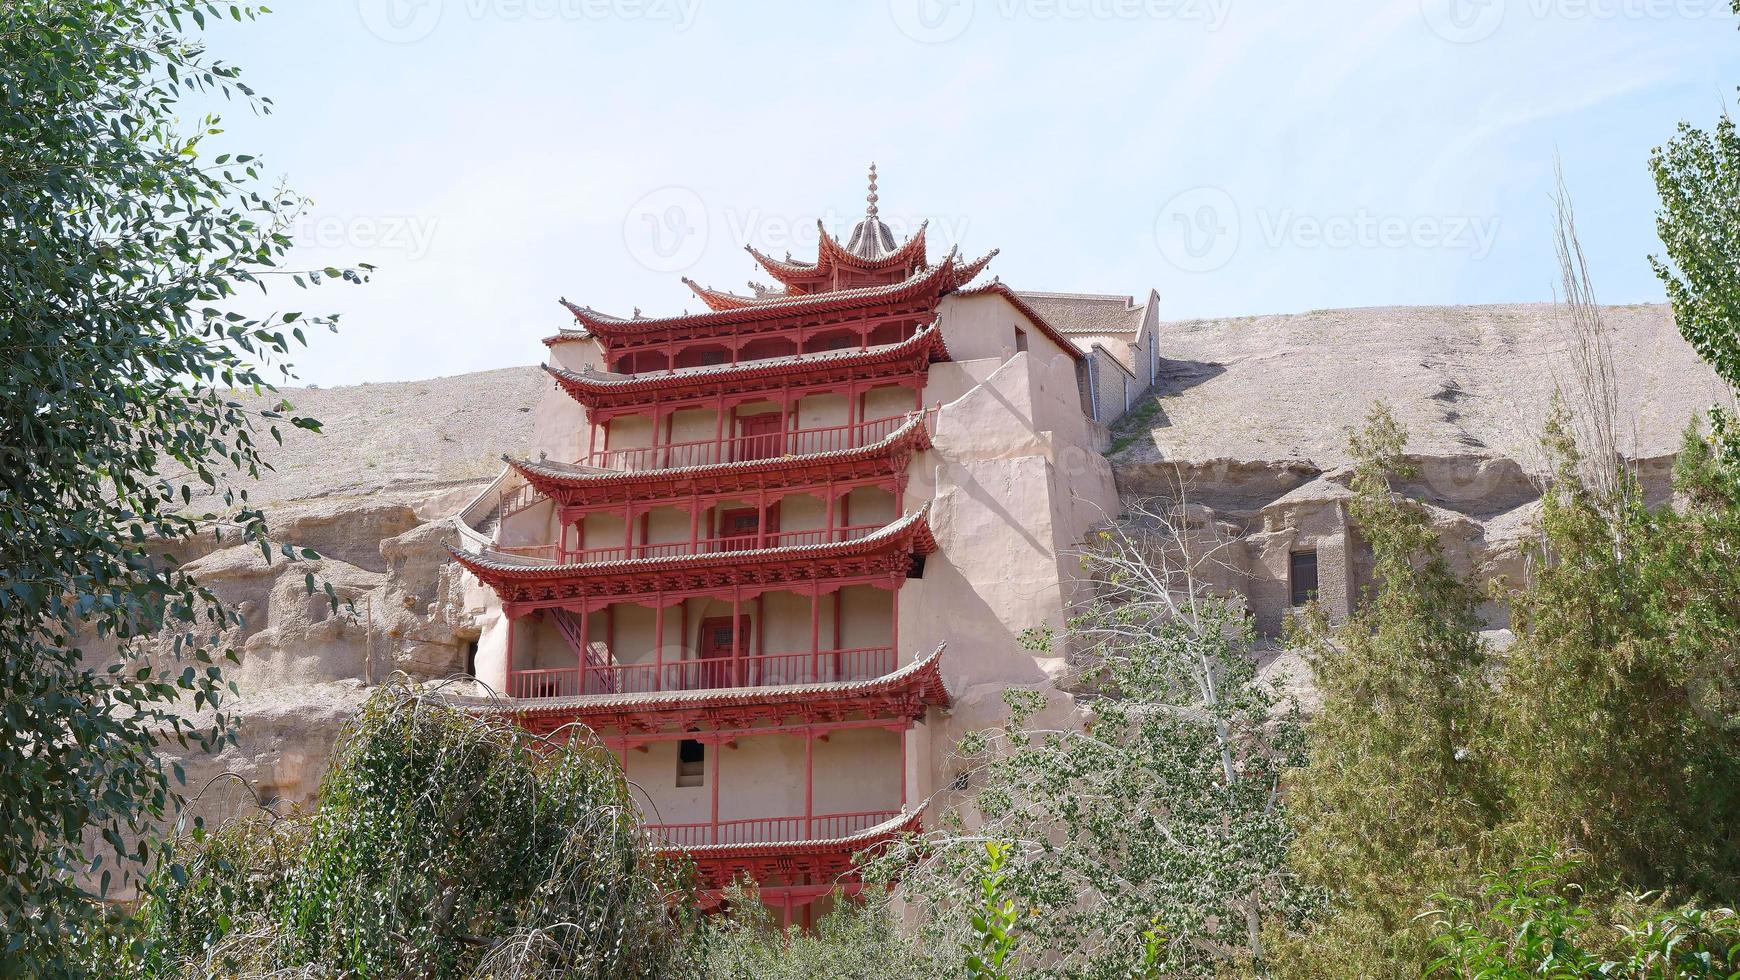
[1247, 426]
[1251, 416]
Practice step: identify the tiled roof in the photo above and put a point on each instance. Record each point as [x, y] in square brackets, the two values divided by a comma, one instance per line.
[511, 567]
[946, 275]
[577, 474]
[925, 674]
[602, 381]
[1088, 313]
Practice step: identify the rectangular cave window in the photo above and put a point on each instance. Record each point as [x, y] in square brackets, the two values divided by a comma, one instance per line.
[471, 659]
[691, 763]
[1302, 576]
[1020, 339]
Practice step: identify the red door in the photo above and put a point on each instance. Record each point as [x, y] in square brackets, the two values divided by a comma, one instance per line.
[763, 436]
[740, 527]
[719, 648]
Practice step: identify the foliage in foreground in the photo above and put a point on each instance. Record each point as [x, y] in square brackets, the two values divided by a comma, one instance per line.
[444, 845]
[1398, 793]
[1153, 838]
[118, 239]
[1530, 922]
[1608, 727]
[856, 938]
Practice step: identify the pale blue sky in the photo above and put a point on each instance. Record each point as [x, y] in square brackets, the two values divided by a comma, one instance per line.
[1240, 156]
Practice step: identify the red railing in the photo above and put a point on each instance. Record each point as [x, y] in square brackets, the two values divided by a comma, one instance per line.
[713, 546]
[768, 670]
[770, 830]
[766, 445]
[519, 498]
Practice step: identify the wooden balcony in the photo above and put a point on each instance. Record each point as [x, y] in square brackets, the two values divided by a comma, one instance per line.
[705, 546]
[769, 830]
[744, 448]
[766, 670]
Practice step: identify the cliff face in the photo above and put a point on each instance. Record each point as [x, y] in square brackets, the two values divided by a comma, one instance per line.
[1250, 418]
[1249, 427]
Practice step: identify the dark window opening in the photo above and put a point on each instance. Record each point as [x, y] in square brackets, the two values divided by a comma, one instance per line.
[691, 763]
[471, 659]
[1020, 339]
[1302, 576]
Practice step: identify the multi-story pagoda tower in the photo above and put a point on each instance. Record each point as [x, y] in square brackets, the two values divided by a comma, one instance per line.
[753, 531]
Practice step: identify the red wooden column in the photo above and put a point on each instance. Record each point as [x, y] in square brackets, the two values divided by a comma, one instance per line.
[815, 630]
[718, 750]
[627, 530]
[894, 630]
[736, 635]
[659, 644]
[810, 783]
[585, 641]
[903, 769]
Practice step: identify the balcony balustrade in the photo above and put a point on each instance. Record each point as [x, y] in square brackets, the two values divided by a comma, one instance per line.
[769, 830]
[742, 448]
[705, 546]
[766, 670]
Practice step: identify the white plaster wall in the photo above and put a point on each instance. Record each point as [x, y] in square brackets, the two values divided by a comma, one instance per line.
[855, 771]
[559, 426]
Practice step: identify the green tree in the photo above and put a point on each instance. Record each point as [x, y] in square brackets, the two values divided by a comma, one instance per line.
[443, 844]
[1399, 793]
[123, 245]
[1618, 726]
[1697, 176]
[1145, 832]
[858, 937]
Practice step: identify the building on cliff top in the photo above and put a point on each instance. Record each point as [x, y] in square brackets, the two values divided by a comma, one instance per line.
[777, 554]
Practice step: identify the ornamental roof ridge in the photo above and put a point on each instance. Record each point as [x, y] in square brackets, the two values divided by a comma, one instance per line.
[942, 273]
[570, 471]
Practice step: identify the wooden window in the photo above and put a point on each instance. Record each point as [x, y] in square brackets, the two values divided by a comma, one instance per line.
[691, 763]
[1302, 576]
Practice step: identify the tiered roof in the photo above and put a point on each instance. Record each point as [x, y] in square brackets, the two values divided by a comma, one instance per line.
[606, 389]
[533, 583]
[573, 485]
[634, 719]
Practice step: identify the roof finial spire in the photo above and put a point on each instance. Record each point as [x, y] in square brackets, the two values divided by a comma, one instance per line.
[871, 210]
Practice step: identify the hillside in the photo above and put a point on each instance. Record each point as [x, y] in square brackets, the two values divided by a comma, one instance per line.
[1464, 379]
